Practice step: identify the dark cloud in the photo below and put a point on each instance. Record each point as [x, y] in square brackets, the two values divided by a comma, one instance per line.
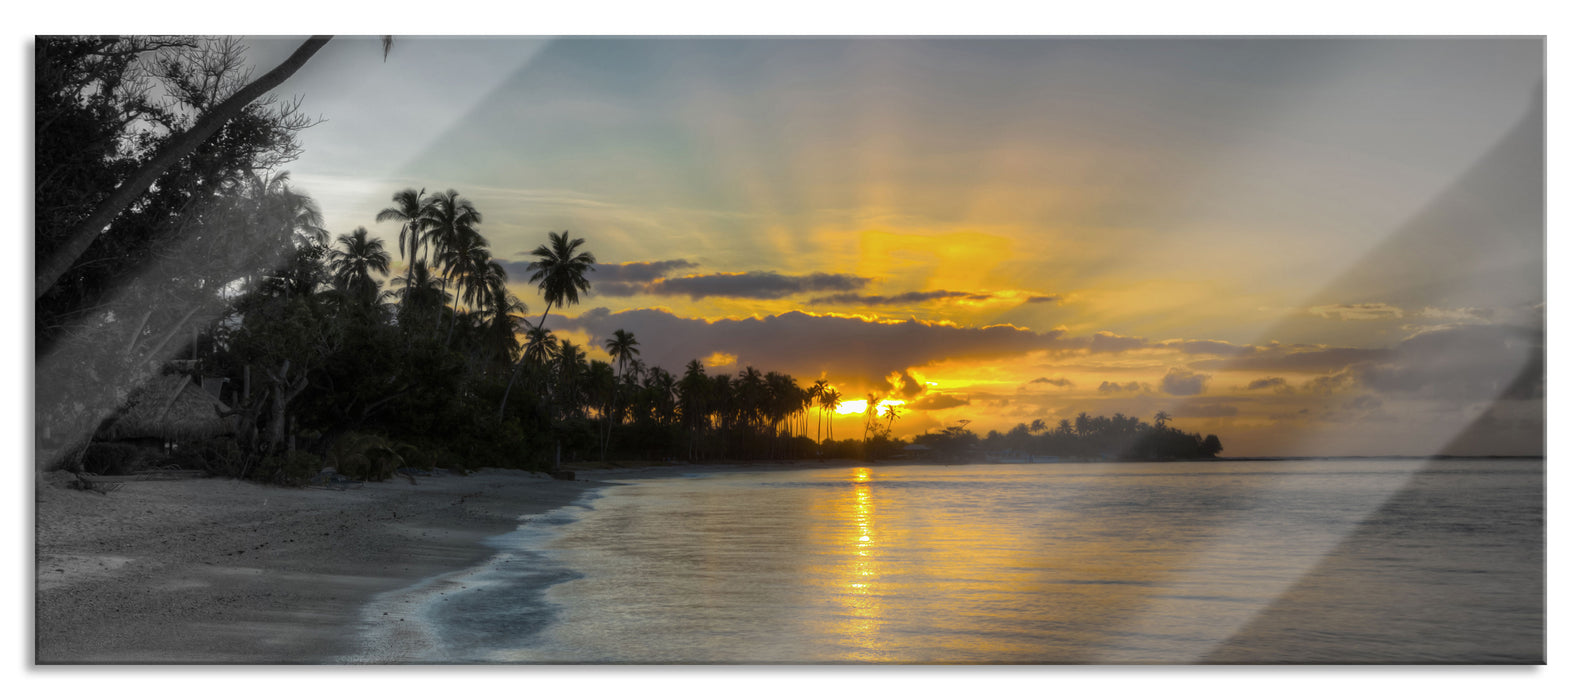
[1129, 387]
[1276, 383]
[1326, 385]
[633, 278]
[1058, 383]
[1045, 299]
[938, 402]
[905, 385]
[755, 285]
[907, 298]
[805, 345]
[640, 271]
[1474, 363]
[1294, 358]
[1180, 382]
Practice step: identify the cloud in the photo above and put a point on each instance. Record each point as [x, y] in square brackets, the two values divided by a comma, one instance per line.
[1207, 347]
[938, 402]
[1294, 358]
[1470, 314]
[629, 279]
[806, 345]
[904, 385]
[1105, 341]
[1046, 298]
[1180, 382]
[1368, 311]
[1277, 383]
[906, 298]
[1469, 363]
[1129, 387]
[754, 285]
[1326, 385]
[1058, 383]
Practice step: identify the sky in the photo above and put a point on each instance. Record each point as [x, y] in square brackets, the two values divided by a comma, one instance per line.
[1305, 246]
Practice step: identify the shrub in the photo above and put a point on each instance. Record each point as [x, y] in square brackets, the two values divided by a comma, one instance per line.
[366, 456]
[293, 468]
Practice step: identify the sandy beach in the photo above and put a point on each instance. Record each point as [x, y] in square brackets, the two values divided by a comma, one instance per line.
[214, 571]
[217, 571]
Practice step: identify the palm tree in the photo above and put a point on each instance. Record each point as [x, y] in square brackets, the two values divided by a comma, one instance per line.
[414, 214]
[561, 273]
[504, 315]
[869, 415]
[890, 414]
[622, 348]
[830, 402]
[1161, 418]
[292, 214]
[817, 392]
[352, 264]
[569, 367]
[421, 295]
[540, 345]
[452, 223]
[694, 390]
[540, 351]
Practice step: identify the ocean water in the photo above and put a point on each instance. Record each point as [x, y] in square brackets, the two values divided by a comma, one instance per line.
[1229, 562]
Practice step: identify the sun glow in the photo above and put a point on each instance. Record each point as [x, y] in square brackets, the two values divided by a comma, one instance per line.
[847, 408]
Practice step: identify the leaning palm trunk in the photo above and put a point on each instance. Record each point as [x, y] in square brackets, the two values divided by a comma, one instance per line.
[85, 233]
[518, 369]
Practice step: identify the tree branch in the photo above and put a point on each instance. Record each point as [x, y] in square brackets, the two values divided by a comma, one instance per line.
[85, 233]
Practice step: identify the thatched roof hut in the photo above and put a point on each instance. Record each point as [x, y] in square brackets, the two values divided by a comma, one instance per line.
[170, 406]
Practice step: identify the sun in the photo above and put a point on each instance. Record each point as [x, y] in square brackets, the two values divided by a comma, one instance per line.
[861, 405]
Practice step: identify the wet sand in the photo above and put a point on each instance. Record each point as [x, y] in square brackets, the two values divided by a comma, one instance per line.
[213, 571]
[216, 571]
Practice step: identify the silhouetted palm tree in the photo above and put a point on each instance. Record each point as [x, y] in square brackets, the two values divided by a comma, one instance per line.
[622, 348]
[890, 414]
[413, 214]
[831, 402]
[353, 263]
[561, 273]
[451, 224]
[869, 415]
[504, 316]
[421, 297]
[817, 392]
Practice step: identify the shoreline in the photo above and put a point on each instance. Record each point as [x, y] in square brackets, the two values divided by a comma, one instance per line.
[219, 571]
[213, 571]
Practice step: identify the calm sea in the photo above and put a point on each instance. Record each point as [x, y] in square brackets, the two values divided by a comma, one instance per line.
[1226, 562]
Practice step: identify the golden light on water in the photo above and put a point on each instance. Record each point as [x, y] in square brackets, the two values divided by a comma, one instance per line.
[862, 613]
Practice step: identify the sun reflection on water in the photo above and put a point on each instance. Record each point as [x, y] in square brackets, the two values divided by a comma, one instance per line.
[860, 600]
